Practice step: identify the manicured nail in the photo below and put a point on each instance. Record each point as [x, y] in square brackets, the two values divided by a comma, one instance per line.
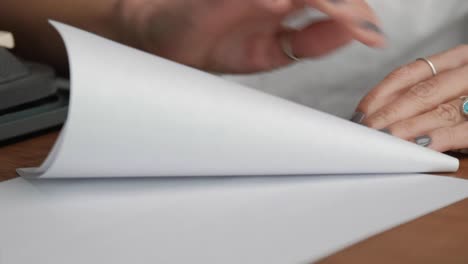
[423, 141]
[358, 117]
[337, 1]
[386, 131]
[367, 25]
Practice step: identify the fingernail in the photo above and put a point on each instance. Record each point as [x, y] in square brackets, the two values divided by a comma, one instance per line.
[358, 117]
[367, 25]
[337, 1]
[386, 131]
[423, 141]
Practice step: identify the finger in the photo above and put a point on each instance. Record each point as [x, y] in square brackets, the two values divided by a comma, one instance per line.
[280, 7]
[446, 115]
[319, 39]
[421, 98]
[449, 138]
[356, 16]
[316, 40]
[396, 83]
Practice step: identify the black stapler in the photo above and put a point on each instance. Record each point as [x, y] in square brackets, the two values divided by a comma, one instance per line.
[32, 99]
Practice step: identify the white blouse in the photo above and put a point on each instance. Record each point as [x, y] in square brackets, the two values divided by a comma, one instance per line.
[335, 84]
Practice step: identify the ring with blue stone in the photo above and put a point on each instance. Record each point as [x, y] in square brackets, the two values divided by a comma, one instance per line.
[465, 105]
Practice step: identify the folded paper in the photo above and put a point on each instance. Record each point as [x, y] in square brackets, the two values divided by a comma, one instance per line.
[134, 114]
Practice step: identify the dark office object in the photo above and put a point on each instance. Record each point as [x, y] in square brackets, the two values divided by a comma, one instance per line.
[31, 98]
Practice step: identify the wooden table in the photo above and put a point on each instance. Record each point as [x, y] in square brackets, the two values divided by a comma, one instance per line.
[440, 237]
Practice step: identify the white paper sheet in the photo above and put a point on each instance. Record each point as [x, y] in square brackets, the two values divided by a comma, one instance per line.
[134, 114]
[274, 220]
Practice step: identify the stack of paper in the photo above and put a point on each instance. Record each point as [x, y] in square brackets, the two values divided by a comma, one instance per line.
[135, 115]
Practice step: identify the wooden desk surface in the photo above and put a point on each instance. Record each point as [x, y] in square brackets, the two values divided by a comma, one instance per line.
[440, 237]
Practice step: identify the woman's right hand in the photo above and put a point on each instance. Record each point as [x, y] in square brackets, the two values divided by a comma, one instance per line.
[424, 102]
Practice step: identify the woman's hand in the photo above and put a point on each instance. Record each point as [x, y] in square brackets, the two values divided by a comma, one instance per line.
[238, 36]
[242, 36]
[414, 105]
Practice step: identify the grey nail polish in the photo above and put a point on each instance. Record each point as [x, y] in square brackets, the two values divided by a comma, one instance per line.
[337, 1]
[423, 141]
[358, 117]
[386, 131]
[367, 25]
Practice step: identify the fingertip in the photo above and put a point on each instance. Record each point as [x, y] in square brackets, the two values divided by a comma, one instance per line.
[320, 38]
[277, 6]
[370, 35]
[378, 43]
[357, 18]
[358, 117]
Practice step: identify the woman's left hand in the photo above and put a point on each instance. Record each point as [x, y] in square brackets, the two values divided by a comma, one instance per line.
[414, 104]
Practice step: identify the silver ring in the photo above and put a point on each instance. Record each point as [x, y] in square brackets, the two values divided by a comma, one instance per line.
[465, 105]
[431, 65]
[285, 42]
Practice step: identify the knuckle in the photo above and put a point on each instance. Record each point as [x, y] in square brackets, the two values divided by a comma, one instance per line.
[424, 89]
[404, 129]
[402, 73]
[382, 118]
[452, 139]
[367, 101]
[449, 137]
[448, 112]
